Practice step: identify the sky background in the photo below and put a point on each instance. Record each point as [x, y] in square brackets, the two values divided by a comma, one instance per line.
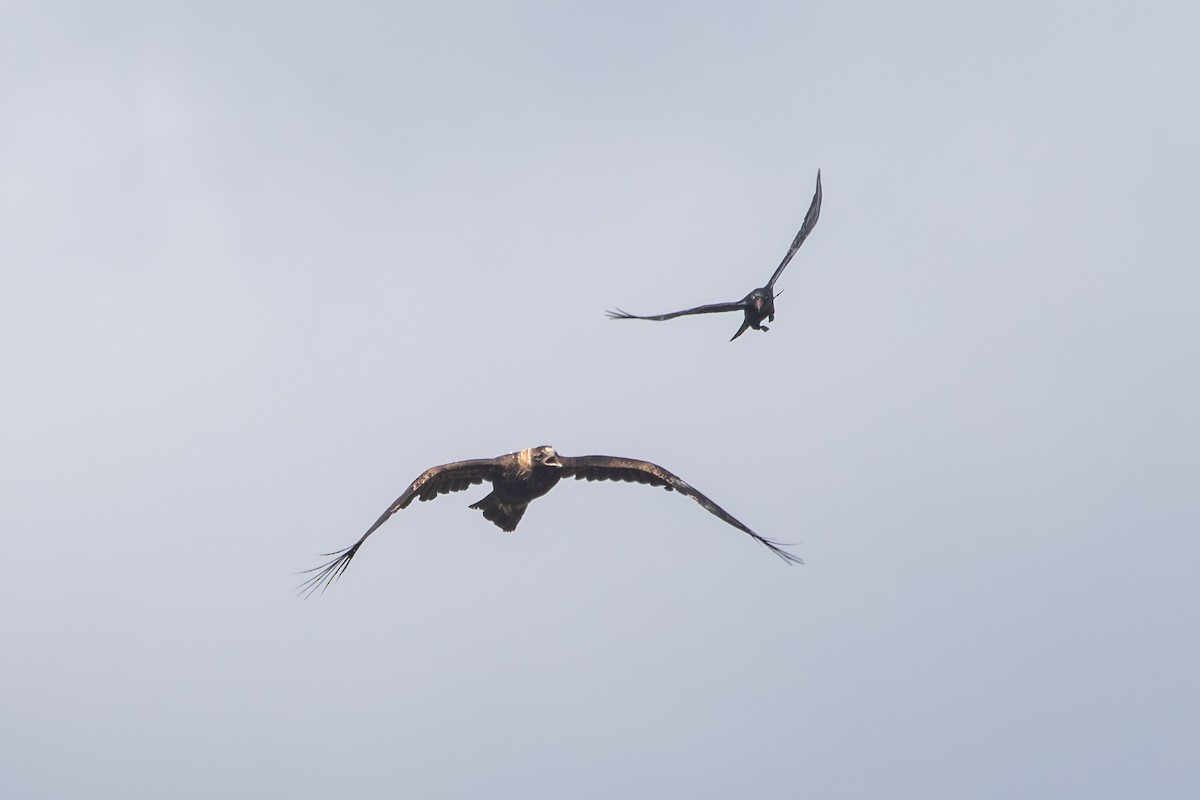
[262, 264]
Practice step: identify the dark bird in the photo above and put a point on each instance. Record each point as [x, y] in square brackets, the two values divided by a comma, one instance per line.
[517, 479]
[759, 305]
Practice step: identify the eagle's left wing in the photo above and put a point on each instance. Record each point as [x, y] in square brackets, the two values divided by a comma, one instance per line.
[615, 468]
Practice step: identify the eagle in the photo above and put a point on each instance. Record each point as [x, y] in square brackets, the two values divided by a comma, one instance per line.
[759, 305]
[518, 479]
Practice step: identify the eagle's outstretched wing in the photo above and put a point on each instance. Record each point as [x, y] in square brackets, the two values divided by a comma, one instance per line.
[712, 308]
[810, 221]
[614, 468]
[453, 477]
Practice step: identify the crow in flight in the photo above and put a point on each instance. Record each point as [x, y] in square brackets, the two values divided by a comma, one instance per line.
[517, 479]
[759, 305]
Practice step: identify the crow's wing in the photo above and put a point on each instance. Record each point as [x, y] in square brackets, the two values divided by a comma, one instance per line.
[810, 222]
[713, 308]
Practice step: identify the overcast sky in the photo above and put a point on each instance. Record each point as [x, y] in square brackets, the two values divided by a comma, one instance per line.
[262, 264]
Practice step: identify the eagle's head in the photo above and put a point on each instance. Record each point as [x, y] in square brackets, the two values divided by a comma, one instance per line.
[546, 457]
[532, 457]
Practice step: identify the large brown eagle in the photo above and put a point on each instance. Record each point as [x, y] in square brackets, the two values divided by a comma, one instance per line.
[759, 305]
[517, 479]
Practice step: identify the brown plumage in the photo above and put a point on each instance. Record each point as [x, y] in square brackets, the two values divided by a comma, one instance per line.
[759, 305]
[518, 479]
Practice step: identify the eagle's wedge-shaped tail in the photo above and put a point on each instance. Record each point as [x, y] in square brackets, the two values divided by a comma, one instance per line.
[505, 516]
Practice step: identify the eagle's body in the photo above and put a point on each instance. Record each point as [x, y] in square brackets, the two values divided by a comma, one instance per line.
[759, 305]
[518, 483]
[517, 479]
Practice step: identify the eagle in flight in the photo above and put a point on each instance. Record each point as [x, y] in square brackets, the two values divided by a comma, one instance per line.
[759, 305]
[517, 479]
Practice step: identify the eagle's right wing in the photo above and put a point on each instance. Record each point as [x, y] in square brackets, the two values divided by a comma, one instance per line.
[453, 477]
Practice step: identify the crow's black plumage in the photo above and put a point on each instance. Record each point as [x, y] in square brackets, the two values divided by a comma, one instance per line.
[759, 305]
[517, 479]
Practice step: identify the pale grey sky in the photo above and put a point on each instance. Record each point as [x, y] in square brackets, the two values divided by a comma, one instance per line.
[260, 266]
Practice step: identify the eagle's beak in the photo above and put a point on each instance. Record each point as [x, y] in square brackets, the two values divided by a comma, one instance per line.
[551, 461]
